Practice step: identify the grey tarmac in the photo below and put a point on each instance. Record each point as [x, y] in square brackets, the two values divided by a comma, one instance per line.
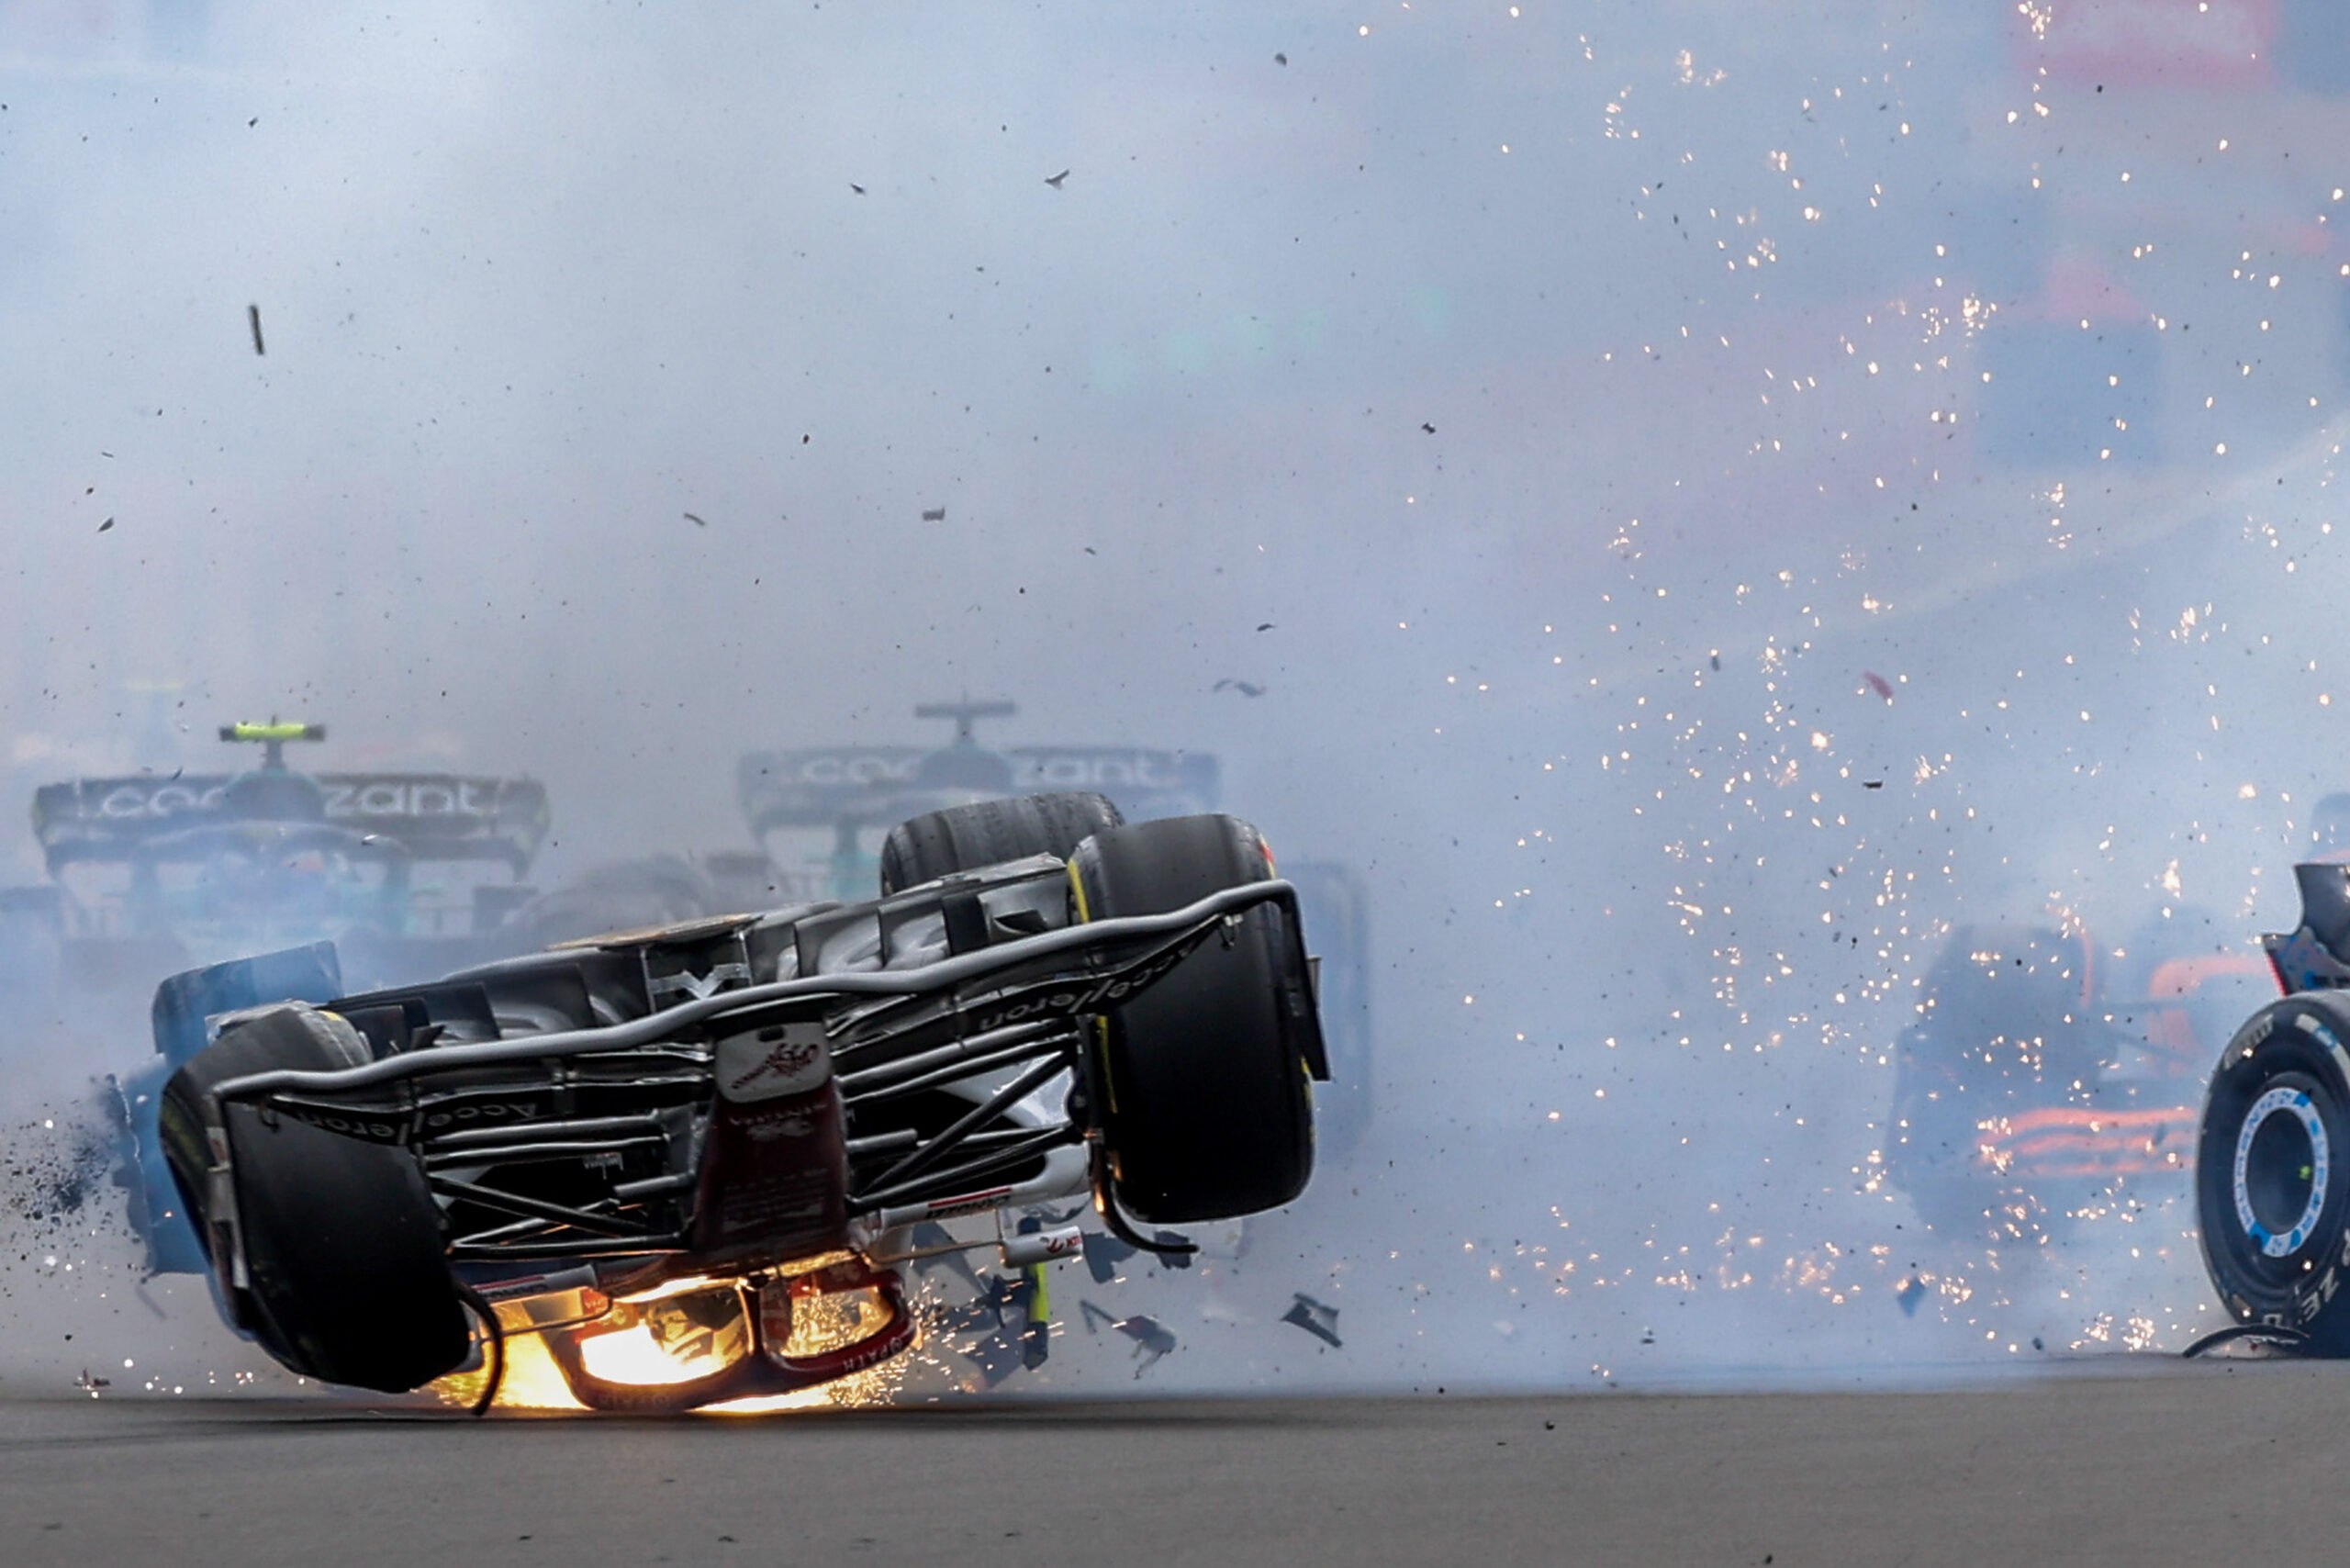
[2130, 1461]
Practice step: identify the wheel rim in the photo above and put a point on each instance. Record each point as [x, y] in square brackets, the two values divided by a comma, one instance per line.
[2282, 1161]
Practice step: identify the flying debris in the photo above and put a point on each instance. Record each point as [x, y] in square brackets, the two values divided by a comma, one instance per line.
[1428, 428]
[104, 526]
[1280, 60]
[1317, 1319]
[1246, 689]
[1878, 684]
[252, 316]
[93, 1383]
[934, 514]
[695, 520]
[1054, 180]
[1715, 660]
[1104, 1253]
[1264, 625]
[1912, 1291]
[857, 188]
[1872, 783]
[1152, 1339]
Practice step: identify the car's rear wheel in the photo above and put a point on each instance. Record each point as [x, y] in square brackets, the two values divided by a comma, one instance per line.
[2272, 1172]
[349, 1281]
[987, 832]
[1208, 1112]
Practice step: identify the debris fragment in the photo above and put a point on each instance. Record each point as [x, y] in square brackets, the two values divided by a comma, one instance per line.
[1280, 60]
[104, 526]
[1429, 428]
[934, 514]
[1264, 625]
[857, 188]
[1872, 783]
[1246, 689]
[1317, 1319]
[1912, 1291]
[252, 316]
[1878, 684]
[1152, 1339]
[695, 520]
[1054, 180]
[1104, 1253]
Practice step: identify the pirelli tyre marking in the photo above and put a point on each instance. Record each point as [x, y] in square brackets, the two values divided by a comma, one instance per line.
[2283, 1100]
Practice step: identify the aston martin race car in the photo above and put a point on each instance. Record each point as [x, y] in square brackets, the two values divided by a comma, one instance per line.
[693, 1161]
[410, 872]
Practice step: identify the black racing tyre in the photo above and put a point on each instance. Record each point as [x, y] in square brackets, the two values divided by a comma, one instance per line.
[986, 833]
[2272, 1171]
[349, 1281]
[1208, 1112]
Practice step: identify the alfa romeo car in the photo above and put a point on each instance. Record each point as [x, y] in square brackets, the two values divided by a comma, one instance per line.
[694, 1161]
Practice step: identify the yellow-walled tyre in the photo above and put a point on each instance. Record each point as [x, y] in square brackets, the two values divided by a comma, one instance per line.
[1209, 1114]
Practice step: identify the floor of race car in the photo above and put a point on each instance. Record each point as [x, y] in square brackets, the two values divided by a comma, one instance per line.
[2101, 1461]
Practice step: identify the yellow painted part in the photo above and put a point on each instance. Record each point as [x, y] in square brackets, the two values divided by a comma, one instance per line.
[269, 731]
[1040, 1300]
[1100, 1025]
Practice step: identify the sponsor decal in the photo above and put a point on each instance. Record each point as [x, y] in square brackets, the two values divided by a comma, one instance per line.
[787, 1058]
[969, 1203]
[851, 767]
[1098, 770]
[411, 797]
[1067, 1001]
[345, 796]
[133, 801]
[387, 1126]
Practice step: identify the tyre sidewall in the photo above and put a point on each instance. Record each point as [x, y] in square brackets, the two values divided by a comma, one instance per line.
[2302, 1042]
[1208, 1112]
[348, 1277]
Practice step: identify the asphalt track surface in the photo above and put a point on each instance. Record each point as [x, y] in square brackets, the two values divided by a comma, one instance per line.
[2159, 1464]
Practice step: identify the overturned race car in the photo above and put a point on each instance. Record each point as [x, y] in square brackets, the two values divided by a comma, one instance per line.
[693, 1159]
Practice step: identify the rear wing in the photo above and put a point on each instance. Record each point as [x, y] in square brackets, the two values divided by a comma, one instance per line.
[883, 784]
[433, 816]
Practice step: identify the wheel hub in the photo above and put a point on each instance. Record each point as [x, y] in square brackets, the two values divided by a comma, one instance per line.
[2281, 1166]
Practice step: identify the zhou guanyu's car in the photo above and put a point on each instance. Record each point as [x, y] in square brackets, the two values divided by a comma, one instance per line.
[690, 1159]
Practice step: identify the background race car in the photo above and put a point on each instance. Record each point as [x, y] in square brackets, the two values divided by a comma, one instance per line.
[409, 873]
[2046, 1083]
[405, 874]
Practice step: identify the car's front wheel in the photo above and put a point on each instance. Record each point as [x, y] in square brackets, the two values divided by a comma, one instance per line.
[349, 1281]
[2272, 1176]
[1209, 1110]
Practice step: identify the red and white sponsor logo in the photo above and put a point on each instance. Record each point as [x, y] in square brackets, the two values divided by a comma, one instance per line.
[768, 1063]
